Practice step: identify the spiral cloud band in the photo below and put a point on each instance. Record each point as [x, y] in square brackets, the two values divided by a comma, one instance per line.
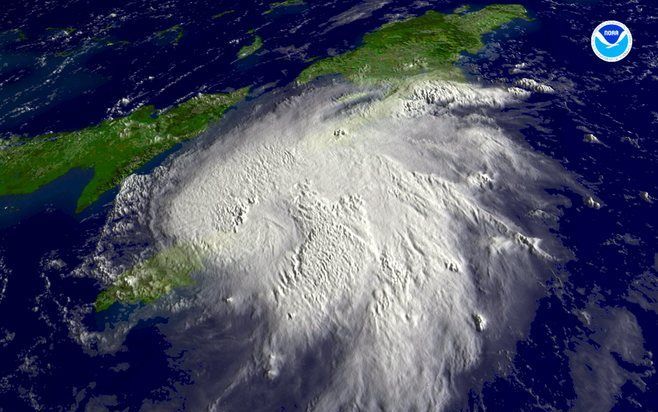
[380, 243]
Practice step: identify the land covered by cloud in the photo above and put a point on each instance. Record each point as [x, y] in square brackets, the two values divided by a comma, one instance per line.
[361, 248]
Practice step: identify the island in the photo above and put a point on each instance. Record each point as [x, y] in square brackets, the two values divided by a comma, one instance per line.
[250, 49]
[113, 149]
[432, 42]
[173, 34]
[285, 3]
[222, 14]
[428, 44]
[151, 278]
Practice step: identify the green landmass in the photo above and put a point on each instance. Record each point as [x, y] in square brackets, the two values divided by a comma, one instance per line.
[13, 35]
[172, 34]
[222, 14]
[113, 149]
[432, 42]
[67, 30]
[462, 9]
[284, 3]
[114, 43]
[247, 51]
[65, 53]
[152, 278]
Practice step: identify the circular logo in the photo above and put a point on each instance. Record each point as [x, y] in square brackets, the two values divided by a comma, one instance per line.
[611, 41]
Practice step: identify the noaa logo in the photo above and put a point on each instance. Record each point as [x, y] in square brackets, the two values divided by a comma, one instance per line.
[611, 41]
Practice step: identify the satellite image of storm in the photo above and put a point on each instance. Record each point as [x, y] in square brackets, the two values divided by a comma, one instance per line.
[328, 206]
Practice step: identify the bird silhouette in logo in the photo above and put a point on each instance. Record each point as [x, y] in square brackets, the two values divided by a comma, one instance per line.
[608, 49]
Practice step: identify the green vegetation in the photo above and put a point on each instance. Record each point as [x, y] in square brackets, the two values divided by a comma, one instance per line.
[222, 14]
[65, 53]
[172, 34]
[110, 43]
[67, 30]
[113, 149]
[247, 51]
[13, 35]
[284, 3]
[152, 278]
[429, 43]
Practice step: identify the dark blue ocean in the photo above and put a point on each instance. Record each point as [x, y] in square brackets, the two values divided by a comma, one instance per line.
[52, 79]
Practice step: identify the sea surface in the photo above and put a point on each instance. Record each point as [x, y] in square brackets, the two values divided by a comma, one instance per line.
[594, 332]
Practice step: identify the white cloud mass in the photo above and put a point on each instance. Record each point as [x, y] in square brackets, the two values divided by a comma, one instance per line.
[364, 249]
